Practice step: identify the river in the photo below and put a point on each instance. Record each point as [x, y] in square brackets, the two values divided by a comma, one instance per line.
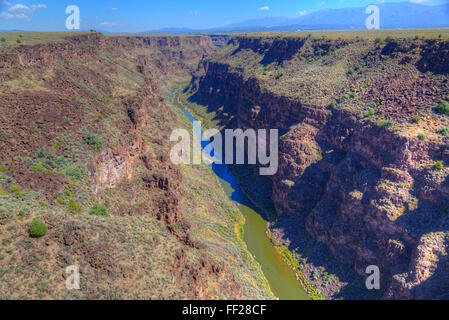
[280, 276]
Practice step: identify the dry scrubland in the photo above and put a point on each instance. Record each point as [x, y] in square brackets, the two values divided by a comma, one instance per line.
[84, 139]
[364, 153]
[363, 172]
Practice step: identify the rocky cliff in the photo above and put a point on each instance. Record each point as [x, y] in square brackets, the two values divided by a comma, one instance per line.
[84, 124]
[364, 161]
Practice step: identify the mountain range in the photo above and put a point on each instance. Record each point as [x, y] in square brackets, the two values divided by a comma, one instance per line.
[400, 15]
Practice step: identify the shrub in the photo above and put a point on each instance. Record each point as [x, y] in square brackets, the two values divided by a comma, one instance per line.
[353, 95]
[343, 98]
[19, 41]
[386, 124]
[416, 119]
[22, 213]
[37, 228]
[439, 165]
[388, 39]
[74, 172]
[351, 71]
[37, 167]
[3, 39]
[74, 206]
[443, 131]
[99, 210]
[370, 112]
[95, 141]
[422, 136]
[442, 108]
[279, 75]
[14, 188]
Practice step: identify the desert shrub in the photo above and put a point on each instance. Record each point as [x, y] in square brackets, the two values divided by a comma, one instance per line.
[279, 75]
[386, 124]
[422, 136]
[99, 210]
[37, 167]
[353, 95]
[74, 172]
[19, 41]
[14, 188]
[443, 131]
[388, 39]
[37, 228]
[22, 213]
[3, 39]
[95, 141]
[416, 119]
[74, 206]
[343, 98]
[351, 71]
[439, 165]
[370, 112]
[442, 108]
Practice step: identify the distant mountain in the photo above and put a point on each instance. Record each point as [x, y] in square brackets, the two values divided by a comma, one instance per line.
[399, 15]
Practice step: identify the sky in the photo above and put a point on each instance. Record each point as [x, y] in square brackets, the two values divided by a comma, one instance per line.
[139, 16]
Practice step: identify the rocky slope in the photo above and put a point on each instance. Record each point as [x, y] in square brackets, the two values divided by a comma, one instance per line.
[83, 123]
[363, 162]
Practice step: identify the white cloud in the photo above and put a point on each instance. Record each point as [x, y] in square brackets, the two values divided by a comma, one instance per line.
[108, 24]
[321, 3]
[113, 9]
[194, 14]
[302, 12]
[265, 8]
[20, 11]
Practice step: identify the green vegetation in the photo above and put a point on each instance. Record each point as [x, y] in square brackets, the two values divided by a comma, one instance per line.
[386, 124]
[369, 113]
[95, 141]
[99, 210]
[74, 172]
[422, 136]
[343, 98]
[416, 119]
[74, 206]
[3, 39]
[296, 266]
[442, 108]
[37, 167]
[37, 228]
[443, 131]
[439, 165]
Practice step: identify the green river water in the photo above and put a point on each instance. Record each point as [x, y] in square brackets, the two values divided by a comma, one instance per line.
[280, 276]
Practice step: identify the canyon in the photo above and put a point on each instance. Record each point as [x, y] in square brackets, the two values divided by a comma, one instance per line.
[362, 180]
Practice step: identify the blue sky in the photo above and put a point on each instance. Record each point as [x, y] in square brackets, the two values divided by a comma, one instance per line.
[137, 16]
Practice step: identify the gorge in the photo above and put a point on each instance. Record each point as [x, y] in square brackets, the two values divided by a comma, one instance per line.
[362, 179]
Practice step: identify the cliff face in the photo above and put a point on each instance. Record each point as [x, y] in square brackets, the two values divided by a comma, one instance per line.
[83, 122]
[373, 195]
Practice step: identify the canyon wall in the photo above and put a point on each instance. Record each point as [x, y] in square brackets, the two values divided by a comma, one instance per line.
[372, 195]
